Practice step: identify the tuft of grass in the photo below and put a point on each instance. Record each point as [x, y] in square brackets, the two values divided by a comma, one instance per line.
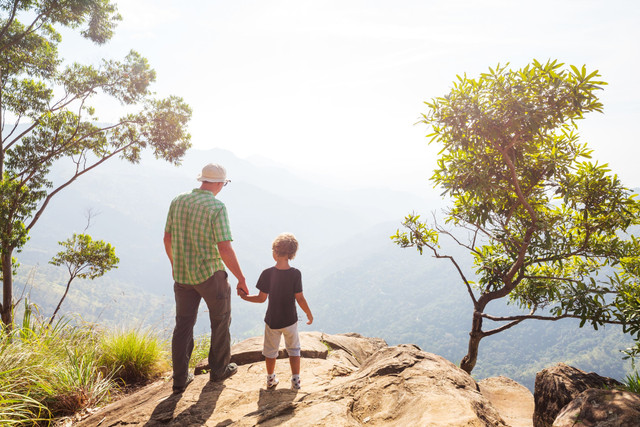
[632, 383]
[19, 409]
[200, 350]
[52, 371]
[79, 383]
[133, 355]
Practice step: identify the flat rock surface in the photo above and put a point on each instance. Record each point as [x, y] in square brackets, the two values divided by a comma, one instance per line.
[250, 350]
[393, 386]
[512, 400]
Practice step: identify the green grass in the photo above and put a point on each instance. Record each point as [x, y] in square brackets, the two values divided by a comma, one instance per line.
[133, 355]
[200, 350]
[632, 382]
[47, 373]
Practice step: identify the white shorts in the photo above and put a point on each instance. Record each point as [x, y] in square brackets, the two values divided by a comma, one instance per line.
[272, 341]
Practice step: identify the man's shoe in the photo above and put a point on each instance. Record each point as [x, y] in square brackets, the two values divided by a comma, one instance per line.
[181, 389]
[231, 369]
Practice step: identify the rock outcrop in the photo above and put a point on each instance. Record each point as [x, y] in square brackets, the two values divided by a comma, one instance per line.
[557, 386]
[602, 408]
[512, 400]
[356, 381]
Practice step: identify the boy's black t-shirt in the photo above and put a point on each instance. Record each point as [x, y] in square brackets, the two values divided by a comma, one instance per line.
[281, 285]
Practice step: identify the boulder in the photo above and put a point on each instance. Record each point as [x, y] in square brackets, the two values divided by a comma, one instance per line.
[356, 345]
[601, 408]
[406, 386]
[557, 386]
[512, 400]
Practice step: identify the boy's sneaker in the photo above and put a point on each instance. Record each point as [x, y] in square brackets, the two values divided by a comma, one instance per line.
[295, 382]
[272, 381]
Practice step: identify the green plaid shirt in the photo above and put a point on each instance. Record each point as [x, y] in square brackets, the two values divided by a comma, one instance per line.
[197, 221]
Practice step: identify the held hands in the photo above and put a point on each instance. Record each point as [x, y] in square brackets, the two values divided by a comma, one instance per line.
[242, 289]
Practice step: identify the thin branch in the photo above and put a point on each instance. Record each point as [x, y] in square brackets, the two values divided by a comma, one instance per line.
[475, 227]
[464, 279]
[501, 328]
[564, 279]
[32, 27]
[538, 317]
[22, 134]
[12, 16]
[455, 239]
[57, 190]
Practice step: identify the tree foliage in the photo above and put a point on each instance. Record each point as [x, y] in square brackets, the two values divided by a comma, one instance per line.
[546, 227]
[46, 116]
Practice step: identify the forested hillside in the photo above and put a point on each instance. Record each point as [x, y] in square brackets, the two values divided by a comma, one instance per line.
[355, 278]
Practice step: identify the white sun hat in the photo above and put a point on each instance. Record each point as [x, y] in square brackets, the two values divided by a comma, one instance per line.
[213, 173]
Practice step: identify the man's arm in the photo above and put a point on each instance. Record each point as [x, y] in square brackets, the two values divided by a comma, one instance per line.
[229, 258]
[167, 246]
[168, 250]
[302, 302]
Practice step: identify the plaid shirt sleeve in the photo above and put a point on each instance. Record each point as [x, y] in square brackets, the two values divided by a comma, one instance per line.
[221, 229]
[167, 226]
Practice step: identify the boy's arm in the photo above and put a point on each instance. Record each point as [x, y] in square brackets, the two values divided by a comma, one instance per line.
[305, 307]
[261, 297]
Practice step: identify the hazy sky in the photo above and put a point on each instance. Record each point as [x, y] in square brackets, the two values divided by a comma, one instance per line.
[333, 88]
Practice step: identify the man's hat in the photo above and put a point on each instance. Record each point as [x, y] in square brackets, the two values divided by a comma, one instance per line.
[213, 173]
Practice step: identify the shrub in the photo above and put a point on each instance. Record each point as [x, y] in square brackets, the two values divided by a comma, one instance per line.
[133, 355]
[49, 371]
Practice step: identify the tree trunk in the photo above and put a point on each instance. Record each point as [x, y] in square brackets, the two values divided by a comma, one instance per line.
[7, 291]
[468, 362]
[61, 299]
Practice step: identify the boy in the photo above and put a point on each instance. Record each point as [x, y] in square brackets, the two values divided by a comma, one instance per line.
[282, 284]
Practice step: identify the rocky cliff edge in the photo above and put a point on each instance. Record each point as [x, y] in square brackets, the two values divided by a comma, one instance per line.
[347, 380]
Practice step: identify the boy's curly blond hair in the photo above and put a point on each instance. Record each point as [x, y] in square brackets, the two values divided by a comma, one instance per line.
[285, 245]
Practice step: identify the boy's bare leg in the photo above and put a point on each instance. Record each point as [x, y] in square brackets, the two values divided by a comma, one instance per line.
[271, 365]
[294, 361]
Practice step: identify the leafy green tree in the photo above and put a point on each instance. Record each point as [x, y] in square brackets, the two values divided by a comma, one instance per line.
[546, 228]
[84, 258]
[46, 115]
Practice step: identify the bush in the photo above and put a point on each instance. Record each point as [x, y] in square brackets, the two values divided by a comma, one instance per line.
[133, 356]
[53, 371]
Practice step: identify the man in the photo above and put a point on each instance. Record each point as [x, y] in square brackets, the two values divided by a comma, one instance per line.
[197, 239]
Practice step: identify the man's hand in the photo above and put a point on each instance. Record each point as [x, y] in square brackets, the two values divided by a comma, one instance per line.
[242, 288]
[310, 319]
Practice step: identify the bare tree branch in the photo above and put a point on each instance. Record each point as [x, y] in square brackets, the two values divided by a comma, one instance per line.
[454, 262]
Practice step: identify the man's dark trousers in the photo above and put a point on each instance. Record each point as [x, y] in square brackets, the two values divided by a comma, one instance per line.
[216, 293]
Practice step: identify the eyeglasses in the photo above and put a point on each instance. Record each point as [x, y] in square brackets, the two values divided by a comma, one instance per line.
[226, 182]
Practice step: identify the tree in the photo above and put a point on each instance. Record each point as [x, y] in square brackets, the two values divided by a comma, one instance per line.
[46, 116]
[546, 228]
[84, 258]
